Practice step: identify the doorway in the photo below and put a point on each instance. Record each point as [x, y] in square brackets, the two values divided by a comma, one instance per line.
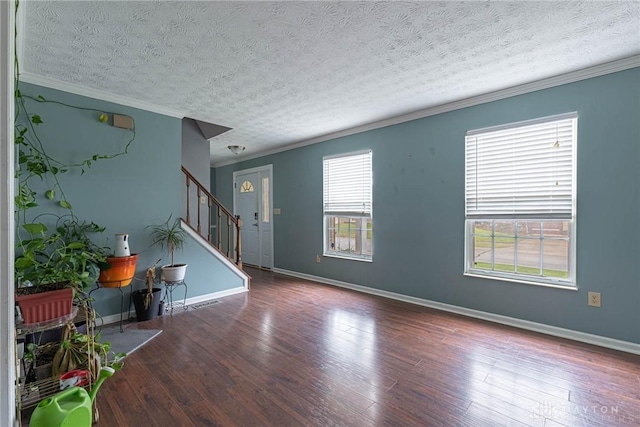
[253, 201]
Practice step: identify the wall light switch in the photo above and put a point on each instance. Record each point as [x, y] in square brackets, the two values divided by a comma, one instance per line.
[276, 211]
[203, 200]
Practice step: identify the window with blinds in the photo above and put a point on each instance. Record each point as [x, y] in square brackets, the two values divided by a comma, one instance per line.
[347, 205]
[520, 200]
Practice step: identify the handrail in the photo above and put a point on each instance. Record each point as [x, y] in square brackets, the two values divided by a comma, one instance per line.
[234, 222]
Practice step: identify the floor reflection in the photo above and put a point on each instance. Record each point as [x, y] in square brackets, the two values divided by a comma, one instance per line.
[351, 340]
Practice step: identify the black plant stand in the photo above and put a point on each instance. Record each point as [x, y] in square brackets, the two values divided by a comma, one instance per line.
[119, 287]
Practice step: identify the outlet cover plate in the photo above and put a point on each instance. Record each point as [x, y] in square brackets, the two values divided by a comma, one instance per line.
[594, 299]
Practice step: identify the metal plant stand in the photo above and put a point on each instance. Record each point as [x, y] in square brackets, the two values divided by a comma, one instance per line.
[119, 287]
[169, 287]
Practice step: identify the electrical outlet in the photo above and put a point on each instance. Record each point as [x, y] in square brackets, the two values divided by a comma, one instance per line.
[594, 299]
[318, 258]
[203, 200]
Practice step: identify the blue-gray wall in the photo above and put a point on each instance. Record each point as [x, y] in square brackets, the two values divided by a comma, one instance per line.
[418, 199]
[195, 152]
[127, 193]
[212, 182]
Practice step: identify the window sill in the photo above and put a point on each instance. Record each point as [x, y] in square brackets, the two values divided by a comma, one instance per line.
[482, 275]
[350, 258]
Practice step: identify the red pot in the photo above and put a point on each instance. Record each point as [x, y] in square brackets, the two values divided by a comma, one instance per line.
[45, 306]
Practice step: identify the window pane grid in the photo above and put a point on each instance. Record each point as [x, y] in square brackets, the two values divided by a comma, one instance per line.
[522, 247]
[349, 236]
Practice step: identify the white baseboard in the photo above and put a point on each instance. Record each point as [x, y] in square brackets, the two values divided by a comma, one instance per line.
[216, 295]
[115, 318]
[601, 341]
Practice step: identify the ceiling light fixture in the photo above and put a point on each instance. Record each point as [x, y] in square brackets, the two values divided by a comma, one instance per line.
[236, 149]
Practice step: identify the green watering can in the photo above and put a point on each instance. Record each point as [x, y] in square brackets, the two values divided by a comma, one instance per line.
[70, 407]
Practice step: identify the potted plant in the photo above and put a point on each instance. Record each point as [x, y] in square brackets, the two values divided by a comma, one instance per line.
[118, 271]
[38, 360]
[121, 265]
[147, 301]
[171, 237]
[59, 261]
[83, 351]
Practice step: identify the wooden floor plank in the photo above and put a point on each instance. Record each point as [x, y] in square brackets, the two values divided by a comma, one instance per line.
[296, 353]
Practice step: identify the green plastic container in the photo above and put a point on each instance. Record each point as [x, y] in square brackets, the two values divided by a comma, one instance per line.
[69, 408]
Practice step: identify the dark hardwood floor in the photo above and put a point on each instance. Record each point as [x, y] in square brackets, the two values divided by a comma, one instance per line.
[297, 353]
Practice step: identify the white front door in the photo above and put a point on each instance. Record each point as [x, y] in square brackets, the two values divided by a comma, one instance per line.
[247, 207]
[252, 201]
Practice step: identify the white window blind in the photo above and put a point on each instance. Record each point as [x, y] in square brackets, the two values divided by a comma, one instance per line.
[347, 184]
[524, 169]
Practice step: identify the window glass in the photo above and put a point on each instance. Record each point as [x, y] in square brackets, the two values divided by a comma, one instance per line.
[246, 187]
[266, 209]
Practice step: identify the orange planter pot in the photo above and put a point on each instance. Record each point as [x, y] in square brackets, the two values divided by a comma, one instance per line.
[121, 272]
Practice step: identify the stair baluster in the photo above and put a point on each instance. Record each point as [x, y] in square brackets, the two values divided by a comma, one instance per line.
[233, 249]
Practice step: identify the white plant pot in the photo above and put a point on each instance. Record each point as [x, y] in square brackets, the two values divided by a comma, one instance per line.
[173, 273]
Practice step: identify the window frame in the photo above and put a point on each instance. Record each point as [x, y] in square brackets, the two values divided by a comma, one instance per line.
[326, 250]
[470, 268]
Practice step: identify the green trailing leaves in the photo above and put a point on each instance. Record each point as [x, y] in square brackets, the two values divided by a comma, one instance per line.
[35, 228]
[65, 204]
[23, 263]
[64, 254]
[50, 194]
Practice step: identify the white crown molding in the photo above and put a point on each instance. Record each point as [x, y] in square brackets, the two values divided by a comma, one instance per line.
[600, 341]
[97, 94]
[571, 77]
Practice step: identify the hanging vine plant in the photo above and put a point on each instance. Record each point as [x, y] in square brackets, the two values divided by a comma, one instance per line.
[34, 160]
[52, 247]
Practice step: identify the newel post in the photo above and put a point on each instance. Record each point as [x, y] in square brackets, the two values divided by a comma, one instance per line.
[188, 188]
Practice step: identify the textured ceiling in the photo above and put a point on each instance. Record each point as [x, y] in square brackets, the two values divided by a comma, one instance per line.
[284, 72]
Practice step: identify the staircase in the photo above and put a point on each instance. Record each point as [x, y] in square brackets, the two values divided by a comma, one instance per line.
[214, 223]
